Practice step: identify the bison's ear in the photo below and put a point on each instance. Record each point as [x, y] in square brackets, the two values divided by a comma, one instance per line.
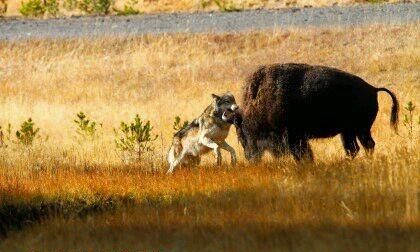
[216, 97]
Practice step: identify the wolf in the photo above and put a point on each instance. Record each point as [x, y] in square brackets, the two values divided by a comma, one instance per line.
[206, 133]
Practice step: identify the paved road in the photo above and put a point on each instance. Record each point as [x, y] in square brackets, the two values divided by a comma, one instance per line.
[389, 14]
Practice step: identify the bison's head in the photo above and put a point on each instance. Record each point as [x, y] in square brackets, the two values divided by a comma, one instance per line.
[245, 135]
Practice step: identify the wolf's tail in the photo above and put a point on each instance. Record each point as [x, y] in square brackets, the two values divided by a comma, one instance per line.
[394, 109]
[175, 150]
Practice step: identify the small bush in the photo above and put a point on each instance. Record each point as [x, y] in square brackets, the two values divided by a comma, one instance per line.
[177, 126]
[3, 7]
[226, 6]
[86, 128]
[51, 7]
[223, 5]
[70, 5]
[100, 7]
[27, 133]
[135, 138]
[32, 8]
[205, 3]
[129, 9]
[409, 118]
[375, 1]
[37, 8]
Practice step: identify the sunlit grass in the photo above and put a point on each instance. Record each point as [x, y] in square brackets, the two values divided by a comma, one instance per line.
[363, 204]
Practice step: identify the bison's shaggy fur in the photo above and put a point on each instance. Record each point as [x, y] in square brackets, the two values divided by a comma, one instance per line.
[283, 106]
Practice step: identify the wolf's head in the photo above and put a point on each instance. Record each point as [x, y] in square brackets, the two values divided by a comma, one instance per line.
[246, 134]
[223, 103]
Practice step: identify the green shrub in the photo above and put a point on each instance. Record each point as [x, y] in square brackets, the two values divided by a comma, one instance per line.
[205, 3]
[86, 128]
[226, 6]
[27, 133]
[3, 7]
[223, 5]
[409, 118]
[135, 138]
[177, 126]
[51, 7]
[129, 9]
[37, 8]
[70, 5]
[375, 1]
[100, 7]
[32, 8]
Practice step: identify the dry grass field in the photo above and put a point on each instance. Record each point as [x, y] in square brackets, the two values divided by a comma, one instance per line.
[367, 204]
[154, 6]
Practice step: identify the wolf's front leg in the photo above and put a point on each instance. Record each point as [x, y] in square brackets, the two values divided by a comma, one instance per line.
[231, 150]
[214, 146]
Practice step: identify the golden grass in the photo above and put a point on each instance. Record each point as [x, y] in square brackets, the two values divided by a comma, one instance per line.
[161, 77]
[145, 6]
[359, 205]
[334, 204]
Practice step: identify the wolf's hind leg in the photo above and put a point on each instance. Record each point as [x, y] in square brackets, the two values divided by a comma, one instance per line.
[175, 163]
[231, 150]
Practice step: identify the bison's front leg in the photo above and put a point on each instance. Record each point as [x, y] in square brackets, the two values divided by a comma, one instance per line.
[231, 150]
[350, 144]
[301, 150]
[214, 146]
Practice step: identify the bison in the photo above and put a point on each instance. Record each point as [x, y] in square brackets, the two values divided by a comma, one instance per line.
[285, 105]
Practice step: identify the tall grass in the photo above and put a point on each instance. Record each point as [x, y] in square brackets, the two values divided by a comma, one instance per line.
[334, 203]
[366, 204]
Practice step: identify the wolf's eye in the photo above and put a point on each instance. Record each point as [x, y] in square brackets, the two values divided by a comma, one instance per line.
[227, 101]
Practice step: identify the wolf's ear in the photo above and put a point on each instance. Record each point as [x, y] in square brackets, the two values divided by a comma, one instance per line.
[216, 97]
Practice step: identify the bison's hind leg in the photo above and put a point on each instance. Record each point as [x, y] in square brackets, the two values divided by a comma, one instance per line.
[350, 144]
[365, 138]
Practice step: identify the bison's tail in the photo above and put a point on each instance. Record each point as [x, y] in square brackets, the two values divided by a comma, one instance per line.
[394, 110]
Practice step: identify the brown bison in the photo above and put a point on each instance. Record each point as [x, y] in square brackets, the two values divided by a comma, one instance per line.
[285, 105]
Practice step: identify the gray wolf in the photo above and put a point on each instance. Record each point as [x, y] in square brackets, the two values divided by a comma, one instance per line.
[285, 105]
[206, 133]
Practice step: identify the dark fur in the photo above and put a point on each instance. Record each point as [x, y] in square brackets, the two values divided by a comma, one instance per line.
[283, 106]
[183, 131]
